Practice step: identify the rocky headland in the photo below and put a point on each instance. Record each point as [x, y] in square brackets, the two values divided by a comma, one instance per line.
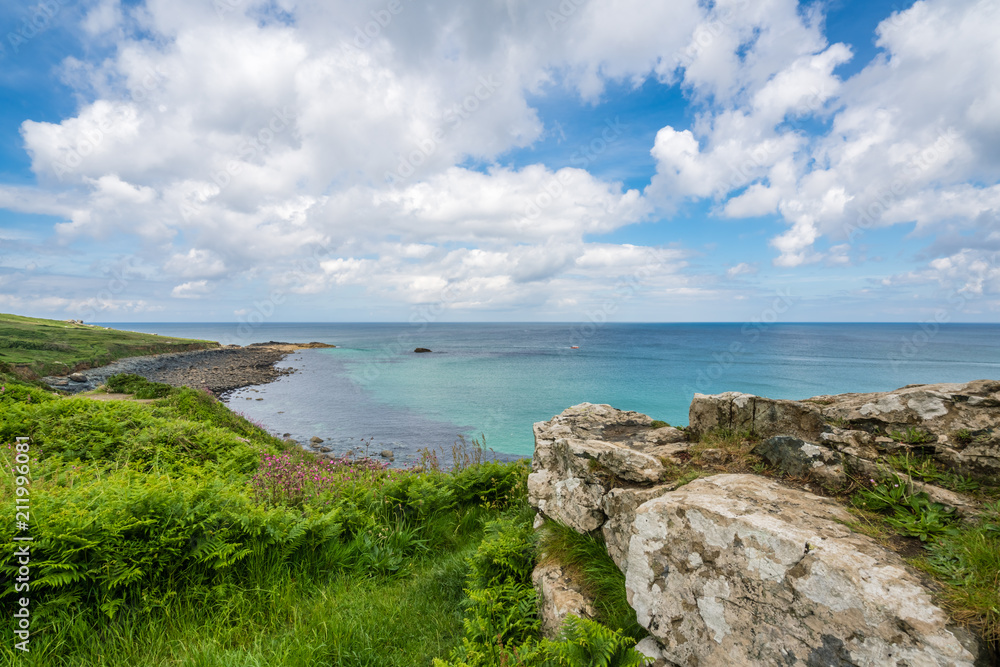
[220, 370]
[734, 533]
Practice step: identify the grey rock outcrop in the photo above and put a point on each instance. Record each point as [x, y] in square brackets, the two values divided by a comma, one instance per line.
[740, 569]
[799, 458]
[746, 412]
[589, 449]
[737, 569]
[957, 424]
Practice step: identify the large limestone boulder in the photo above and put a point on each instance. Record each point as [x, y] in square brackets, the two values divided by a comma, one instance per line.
[740, 570]
[957, 424]
[589, 449]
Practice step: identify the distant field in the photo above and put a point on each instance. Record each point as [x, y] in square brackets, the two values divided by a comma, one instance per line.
[34, 347]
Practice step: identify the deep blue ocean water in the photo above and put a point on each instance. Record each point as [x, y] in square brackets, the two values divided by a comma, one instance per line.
[498, 379]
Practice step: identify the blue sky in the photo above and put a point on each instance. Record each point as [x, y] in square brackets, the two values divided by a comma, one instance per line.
[219, 160]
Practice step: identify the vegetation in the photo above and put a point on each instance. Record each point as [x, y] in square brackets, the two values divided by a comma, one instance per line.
[587, 556]
[924, 468]
[32, 347]
[912, 436]
[501, 623]
[964, 557]
[176, 532]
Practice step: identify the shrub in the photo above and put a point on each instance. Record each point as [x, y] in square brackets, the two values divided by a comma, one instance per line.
[138, 386]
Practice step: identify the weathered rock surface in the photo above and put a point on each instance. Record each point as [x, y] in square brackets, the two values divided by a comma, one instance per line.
[739, 570]
[799, 458]
[589, 449]
[957, 424]
[764, 416]
[559, 595]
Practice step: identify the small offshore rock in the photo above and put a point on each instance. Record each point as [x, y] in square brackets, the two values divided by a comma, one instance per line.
[421, 349]
[324, 449]
[386, 454]
[286, 435]
[315, 440]
[78, 377]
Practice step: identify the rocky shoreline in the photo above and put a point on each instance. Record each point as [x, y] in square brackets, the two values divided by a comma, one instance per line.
[220, 370]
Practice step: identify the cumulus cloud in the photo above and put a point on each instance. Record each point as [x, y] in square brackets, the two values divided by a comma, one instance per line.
[195, 289]
[908, 139]
[326, 144]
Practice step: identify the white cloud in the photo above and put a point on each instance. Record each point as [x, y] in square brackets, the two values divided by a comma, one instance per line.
[275, 144]
[196, 264]
[195, 289]
[741, 269]
[912, 138]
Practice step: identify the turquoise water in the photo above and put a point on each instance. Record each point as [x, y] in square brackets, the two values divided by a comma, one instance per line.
[498, 379]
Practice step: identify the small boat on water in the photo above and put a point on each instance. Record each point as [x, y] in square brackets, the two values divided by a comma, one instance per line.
[574, 347]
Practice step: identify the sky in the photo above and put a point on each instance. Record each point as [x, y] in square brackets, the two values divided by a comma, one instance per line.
[500, 160]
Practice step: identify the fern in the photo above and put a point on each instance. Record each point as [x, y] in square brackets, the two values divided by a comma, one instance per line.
[586, 643]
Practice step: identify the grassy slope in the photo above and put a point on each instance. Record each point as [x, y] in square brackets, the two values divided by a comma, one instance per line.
[33, 347]
[152, 547]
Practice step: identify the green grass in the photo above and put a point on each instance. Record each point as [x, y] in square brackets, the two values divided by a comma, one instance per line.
[33, 347]
[968, 562]
[165, 533]
[603, 581]
[348, 621]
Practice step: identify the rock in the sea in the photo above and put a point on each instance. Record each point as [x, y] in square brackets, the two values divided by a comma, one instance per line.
[421, 350]
[740, 570]
[587, 450]
[77, 377]
[315, 440]
[559, 595]
[386, 454]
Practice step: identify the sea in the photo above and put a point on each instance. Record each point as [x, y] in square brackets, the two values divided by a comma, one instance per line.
[491, 382]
